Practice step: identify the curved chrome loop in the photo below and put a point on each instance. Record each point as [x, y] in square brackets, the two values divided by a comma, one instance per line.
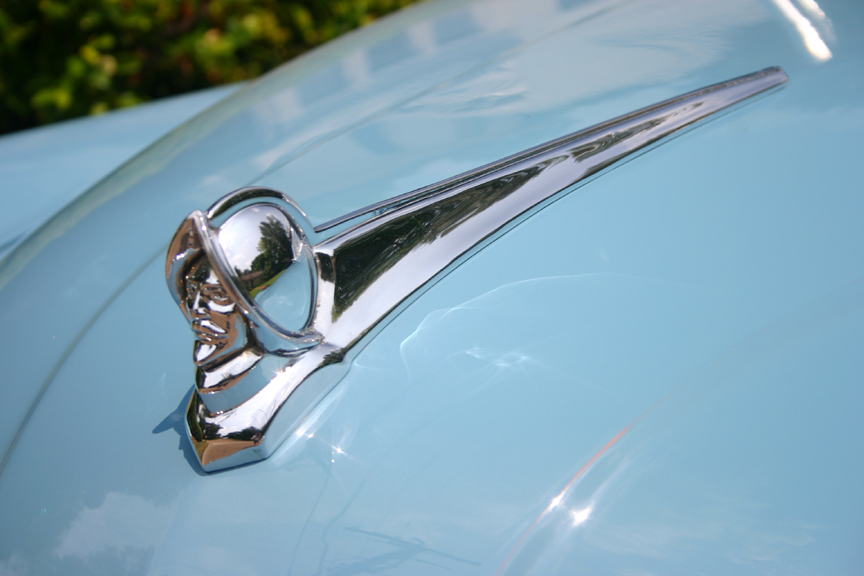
[242, 197]
[236, 215]
[244, 411]
[247, 288]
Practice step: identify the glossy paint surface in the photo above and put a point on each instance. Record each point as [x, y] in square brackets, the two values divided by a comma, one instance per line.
[44, 169]
[658, 373]
[367, 272]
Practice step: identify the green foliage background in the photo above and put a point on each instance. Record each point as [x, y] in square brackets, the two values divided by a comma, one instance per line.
[65, 58]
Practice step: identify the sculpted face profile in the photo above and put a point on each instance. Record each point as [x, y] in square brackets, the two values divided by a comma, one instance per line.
[220, 329]
[243, 276]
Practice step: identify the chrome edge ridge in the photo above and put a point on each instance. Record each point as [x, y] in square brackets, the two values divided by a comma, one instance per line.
[366, 272]
[776, 74]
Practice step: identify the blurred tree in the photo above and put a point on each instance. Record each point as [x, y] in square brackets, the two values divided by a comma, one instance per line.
[65, 58]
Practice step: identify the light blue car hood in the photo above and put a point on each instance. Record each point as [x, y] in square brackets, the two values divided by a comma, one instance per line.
[44, 169]
[660, 372]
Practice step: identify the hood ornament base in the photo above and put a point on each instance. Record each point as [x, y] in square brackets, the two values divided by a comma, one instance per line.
[277, 320]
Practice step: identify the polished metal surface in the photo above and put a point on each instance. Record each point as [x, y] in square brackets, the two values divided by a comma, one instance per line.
[272, 313]
[246, 287]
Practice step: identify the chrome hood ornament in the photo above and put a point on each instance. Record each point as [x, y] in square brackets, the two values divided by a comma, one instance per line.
[277, 320]
[244, 277]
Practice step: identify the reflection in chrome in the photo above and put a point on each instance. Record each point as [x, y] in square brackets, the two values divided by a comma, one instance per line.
[246, 287]
[271, 312]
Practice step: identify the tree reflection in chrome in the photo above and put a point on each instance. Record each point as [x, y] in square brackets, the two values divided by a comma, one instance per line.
[241, 292]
